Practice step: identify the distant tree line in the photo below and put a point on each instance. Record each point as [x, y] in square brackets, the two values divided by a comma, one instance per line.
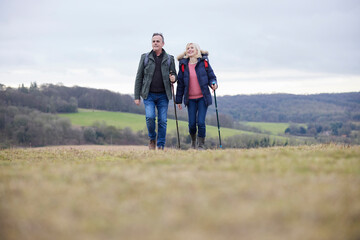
[101, 133]
[52, 98]
[324, 129]
[339, 107]
[26, 117]
[37, 98]
[336, 107]
[22, 126]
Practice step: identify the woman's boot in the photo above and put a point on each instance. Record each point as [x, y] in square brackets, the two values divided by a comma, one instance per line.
[193, 141]
[201, 142]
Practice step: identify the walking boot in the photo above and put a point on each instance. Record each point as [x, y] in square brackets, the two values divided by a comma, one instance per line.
[193, 141]
[152, 145]
[201, 143]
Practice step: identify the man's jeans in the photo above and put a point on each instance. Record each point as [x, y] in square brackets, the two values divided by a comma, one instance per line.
[197, 113]
[161, 102]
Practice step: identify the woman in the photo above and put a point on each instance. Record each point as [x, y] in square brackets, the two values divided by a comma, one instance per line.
[194, 79]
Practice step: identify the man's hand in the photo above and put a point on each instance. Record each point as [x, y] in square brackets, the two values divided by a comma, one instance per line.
[137, 101]
[180, 106]
[172, 78]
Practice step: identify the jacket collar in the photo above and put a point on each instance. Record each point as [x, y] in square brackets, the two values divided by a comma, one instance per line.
[186, 60]
[203, 53]
[151, 56]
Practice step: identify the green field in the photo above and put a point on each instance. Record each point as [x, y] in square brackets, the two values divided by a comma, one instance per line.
[273, 128]
[119, 192]
[87, 117]
[136, 122]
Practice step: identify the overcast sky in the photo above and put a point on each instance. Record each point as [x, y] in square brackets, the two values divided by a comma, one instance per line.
[255, 46]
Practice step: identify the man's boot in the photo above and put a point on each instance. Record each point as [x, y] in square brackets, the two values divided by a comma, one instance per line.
[152, 144]
[201, 142]
[193, 141]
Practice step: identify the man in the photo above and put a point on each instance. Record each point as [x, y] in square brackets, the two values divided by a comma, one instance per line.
[155, 74]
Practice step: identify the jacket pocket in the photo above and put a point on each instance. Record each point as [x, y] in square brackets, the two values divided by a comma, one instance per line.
[146, 85]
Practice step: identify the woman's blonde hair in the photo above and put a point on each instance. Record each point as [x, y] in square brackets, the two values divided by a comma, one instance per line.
[197, 47]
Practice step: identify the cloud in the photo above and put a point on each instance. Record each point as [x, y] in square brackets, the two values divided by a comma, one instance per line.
[299, 41]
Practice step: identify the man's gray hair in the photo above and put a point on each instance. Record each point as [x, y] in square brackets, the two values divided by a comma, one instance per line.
[158, 34]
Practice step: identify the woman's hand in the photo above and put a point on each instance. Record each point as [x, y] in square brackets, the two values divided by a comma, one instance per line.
[214, 86]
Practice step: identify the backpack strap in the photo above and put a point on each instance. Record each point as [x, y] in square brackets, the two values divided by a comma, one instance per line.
[146, 59]
[168, 60]
[183, 67]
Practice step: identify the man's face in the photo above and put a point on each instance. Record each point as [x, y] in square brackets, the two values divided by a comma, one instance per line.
[157, 43]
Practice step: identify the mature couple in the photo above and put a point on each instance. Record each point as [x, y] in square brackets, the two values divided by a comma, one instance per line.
[154, 77]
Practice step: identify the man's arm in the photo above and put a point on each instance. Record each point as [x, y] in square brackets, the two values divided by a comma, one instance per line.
[139, 80]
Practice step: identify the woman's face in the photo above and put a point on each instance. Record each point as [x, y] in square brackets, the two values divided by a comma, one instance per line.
[191, 51]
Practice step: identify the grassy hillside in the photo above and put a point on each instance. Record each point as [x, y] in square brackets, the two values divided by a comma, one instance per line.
[136, 122]
[97, 192]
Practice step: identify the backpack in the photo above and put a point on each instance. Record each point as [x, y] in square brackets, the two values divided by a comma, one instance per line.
[146, 59]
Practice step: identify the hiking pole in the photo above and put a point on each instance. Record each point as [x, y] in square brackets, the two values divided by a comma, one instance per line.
[217, 115]
[177, 126]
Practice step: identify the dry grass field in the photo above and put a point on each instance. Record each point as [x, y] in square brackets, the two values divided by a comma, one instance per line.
[117, 192]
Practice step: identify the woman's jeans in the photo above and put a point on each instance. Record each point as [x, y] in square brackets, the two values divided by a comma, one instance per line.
[197, 113]
[160, 101]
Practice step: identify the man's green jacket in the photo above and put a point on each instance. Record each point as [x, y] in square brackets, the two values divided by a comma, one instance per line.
[145, 74]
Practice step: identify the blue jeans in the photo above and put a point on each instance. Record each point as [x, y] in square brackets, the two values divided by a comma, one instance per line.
[197, 113]
[160, 101]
